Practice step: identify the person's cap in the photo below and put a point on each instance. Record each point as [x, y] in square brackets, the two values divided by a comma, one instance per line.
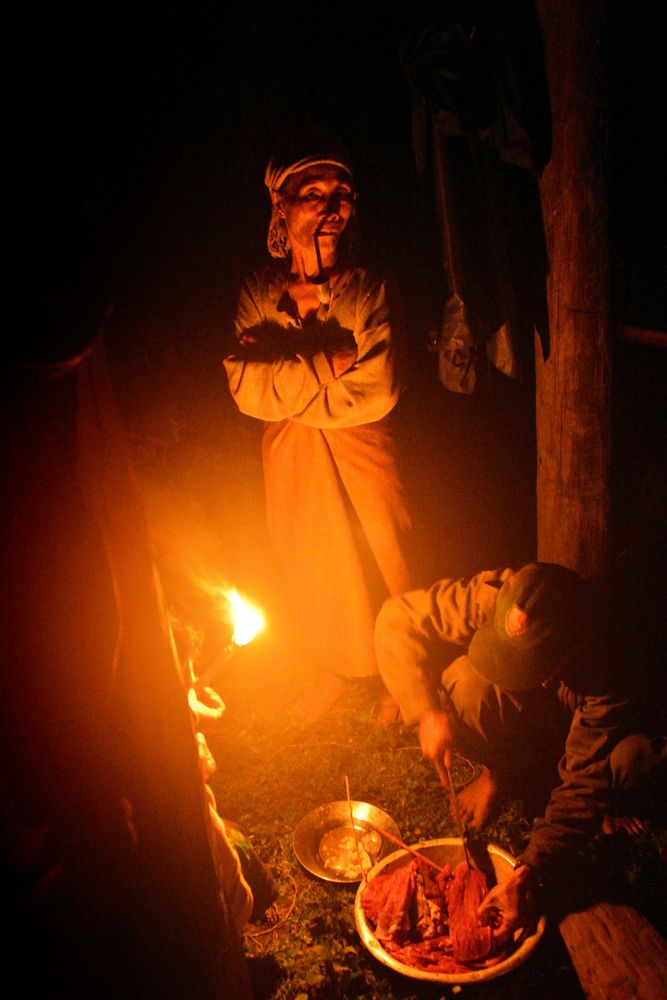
[538, 616]
[305, 148]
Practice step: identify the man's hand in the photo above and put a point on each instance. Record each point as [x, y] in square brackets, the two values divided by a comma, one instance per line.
[437, 738]
[263, 345]
[342, 360]
[247, 338]
[509, 905]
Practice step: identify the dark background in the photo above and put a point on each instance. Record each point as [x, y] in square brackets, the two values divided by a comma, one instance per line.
[138, 138]
[141, 138]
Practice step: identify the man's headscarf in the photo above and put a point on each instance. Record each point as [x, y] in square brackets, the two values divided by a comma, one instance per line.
[305, 148]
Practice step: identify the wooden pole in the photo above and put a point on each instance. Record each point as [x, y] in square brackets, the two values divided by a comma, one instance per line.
[573, 382]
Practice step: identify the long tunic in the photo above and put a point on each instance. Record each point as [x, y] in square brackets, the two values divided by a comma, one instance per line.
[335, 509]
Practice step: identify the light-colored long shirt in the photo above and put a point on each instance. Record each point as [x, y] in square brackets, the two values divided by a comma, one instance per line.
[412, 628]
[288, 374]
[335, 507]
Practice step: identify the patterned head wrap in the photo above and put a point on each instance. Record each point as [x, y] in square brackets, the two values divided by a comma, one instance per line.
[307, 148]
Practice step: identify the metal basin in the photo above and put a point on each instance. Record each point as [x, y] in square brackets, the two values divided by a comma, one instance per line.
[322, 825]
[497, 864]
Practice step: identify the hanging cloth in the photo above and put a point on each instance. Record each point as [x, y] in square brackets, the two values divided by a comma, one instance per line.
[481, 137]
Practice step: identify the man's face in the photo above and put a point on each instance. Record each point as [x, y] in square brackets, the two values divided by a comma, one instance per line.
[317, 202]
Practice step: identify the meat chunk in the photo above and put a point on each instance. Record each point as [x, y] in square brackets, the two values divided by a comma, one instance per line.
[393, 919]
[471, 941]
[430, 921]
[374, 896]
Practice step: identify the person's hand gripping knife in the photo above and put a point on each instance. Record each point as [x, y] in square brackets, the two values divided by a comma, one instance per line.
[436, 736]
[511, 904]
[437, 742]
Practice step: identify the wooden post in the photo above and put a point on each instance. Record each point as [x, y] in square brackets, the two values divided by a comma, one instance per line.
[573, 382]
[617, 954]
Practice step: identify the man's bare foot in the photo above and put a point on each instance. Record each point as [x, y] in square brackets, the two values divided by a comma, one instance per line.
[318, 700]
[630, 824]
[387, 711]
[476, 799]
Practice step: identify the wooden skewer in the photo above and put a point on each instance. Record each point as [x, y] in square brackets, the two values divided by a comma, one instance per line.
[354, 829]
[446, 778]
[406, 847]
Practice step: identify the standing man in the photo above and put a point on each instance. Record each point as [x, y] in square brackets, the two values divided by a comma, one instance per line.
[316, 359]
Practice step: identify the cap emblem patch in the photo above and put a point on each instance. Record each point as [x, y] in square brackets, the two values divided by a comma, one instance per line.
[516, 622]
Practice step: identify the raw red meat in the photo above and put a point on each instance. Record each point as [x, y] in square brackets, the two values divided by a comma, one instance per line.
[375, 895]
[430, 922]
[471, 940]
[393, 920]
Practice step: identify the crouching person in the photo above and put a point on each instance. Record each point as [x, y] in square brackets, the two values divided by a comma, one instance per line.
[536, 700]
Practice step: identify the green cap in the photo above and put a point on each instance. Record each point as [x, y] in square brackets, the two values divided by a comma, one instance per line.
[538, 616]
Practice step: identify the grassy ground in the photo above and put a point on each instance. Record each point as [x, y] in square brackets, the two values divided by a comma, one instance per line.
[273, 770]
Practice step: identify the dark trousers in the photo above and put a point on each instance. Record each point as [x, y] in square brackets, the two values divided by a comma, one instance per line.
[521, 736]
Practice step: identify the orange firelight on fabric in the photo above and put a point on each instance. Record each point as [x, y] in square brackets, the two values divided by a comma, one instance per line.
[248, 620]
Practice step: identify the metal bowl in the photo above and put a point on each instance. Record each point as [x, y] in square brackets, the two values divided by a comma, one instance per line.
[311, 830]
[497, 864]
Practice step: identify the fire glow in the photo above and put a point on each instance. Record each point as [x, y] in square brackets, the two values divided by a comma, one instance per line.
[248, 620]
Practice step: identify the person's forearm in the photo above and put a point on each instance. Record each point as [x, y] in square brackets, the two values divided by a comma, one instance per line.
[402, 657]
[577, 805]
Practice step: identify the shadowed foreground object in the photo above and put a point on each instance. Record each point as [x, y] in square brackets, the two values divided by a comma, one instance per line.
[99, 753]
[616, 952]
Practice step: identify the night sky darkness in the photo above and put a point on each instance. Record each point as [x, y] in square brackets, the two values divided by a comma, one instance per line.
[142, 136]
[159, 126]
[157, 123]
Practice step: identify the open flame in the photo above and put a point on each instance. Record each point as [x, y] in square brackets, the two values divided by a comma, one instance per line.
[247, 619]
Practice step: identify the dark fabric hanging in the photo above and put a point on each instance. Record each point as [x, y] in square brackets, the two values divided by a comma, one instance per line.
[481, 137]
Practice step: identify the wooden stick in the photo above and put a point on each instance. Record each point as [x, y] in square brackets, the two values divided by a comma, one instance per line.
[406, 847]
[446, 779]
[354, 829]
[457, 814]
